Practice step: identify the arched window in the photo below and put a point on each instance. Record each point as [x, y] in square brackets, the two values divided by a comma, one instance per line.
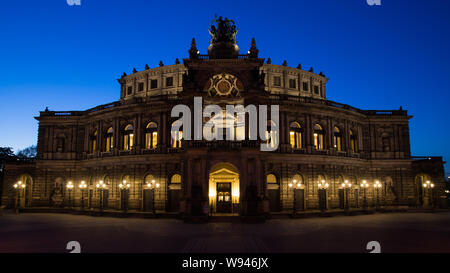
[128, 137]
[353, 142]
[176, 142]
[337, 139]
[93, 142]
[318, 137]
[271, 179]
[151, 136]
[175, 179]
[296, 135]
[109, 143]
[271, 134]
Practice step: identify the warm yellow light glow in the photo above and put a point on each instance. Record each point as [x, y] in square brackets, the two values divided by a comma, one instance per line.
[212, 192]
[236, 193]
[82, 185]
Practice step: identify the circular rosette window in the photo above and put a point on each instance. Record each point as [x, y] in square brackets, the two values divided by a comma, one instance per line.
[223, 85]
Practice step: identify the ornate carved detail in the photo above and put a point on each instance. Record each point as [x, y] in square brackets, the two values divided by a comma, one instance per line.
[223, 85]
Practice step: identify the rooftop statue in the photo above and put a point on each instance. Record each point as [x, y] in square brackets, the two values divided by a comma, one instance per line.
[223, 39]
[224, 32]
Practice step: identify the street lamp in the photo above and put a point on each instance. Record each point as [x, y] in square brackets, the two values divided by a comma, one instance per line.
[124, 187]
[428, 185]
[323, 186]
[152, 186]
[82, 187]
[364, 186]
[377, 186]
[19, 186]
[69, 187]
[346, 186]
[295, 185]
[101, 187]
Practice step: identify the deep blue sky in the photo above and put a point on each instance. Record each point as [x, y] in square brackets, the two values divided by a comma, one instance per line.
[376, 57]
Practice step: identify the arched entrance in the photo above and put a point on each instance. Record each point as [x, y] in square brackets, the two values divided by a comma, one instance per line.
[224, 188]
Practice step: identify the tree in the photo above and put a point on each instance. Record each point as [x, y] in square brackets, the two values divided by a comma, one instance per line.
[6, 152]
[28, 152]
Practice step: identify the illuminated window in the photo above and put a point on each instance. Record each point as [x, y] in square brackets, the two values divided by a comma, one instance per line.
[176, 178]
[353, 142]
[109, 143]
[93, 143]
[318, 137]
[128, 138]
[271, 179]
[151, 136]
[176, 142]
[296, 136]
[337, 139]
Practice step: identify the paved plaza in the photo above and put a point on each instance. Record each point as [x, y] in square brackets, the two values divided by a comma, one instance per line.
[396, 232]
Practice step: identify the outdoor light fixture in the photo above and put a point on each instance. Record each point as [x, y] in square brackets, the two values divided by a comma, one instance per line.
[377, 186]
[82, 187]
[295, 185]
[346, 185]
[19, 186]
[152, 186]
[364, 185]
[429, 186]
[101, 187]
[323, 186]
[69, 187]
[124, 186]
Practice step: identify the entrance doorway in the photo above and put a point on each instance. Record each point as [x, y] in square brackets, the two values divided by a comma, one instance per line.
[224, 189]
[224, 204]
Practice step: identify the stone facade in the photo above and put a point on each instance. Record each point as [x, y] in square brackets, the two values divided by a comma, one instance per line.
[351, 144]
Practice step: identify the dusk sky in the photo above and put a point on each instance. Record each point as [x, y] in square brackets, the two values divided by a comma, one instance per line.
[376, 57]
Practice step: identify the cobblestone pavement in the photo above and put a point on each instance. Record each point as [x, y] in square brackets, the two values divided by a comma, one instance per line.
[396, 232]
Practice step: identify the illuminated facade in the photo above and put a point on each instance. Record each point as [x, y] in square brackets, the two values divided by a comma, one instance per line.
[327, 151]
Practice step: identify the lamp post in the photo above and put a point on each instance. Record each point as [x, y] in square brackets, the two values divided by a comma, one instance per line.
[124, 187]
[152, 186]
[364, 187]
[323, 186]
[69, 187]
[82, 187]
[101, 187]
[19, 186]
[295, 185]
[346, 186]
[429, 186]
[377, 186]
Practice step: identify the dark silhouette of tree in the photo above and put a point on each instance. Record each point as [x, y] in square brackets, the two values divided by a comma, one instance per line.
[29, 152]
[6, 152]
